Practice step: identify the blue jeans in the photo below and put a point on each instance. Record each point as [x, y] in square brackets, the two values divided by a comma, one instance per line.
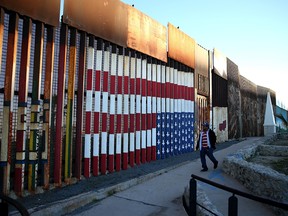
[209, 153]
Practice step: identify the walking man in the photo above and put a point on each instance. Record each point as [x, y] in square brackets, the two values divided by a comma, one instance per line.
[206, 143]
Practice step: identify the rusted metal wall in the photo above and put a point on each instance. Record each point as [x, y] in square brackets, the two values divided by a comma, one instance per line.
[106, 19]
[181, 47]
[202, 70]
[248, 107]
[219, 63]
[146, 35]
[46, 11]
[234, 100]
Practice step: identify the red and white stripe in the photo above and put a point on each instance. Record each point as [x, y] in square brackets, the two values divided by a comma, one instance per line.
[96, 136]
[132, 108]
[112, 112]
[88, 110]
[126, 113]
[176, 109]
[172, 83]
[149, 112]
[158, 91]
[144, 110]
[119, 119]
[104, 134]
[155, 79]
[138, 111]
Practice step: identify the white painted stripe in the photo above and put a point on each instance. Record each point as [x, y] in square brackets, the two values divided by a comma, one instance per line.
[99, 60]
[96, 143]
[143, 139]
[88, 101]
[132, 103]
[120, 65]
[104, 142]
[149, 138]
[111, 144]
[138, 103]
[126, 104]
[154, 104]
[149, 105]
[132, 71]
[106, 61]
[132, 142]
[105, 102]
[87, 148]
[158, 105]
[90, 58]
[138, 136]
[97, 101]
[119, 103]
[126, 142]
[118, 143]
[138, 72]
[144, 109]
[126, 65]
[112, 104]
[154, 137]
[163, 105]
[113, 64]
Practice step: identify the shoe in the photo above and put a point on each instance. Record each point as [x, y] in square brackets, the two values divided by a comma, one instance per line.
[204, 170]
[215, 165]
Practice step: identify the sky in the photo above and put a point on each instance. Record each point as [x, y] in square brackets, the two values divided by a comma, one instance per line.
[251, 33]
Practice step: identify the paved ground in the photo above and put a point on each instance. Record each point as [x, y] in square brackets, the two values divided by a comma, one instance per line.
[64, 200]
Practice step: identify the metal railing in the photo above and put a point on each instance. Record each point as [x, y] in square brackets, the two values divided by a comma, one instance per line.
[5, 201]
[232, 201]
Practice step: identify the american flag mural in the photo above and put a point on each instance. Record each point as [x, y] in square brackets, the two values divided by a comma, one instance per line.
[175, 111]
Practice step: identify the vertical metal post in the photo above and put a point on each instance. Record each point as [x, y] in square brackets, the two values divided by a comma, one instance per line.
[112, 109]
[192, 197]
[138, 109]
[233, 206]
[22, 107]
[149, 110]
[125, 106]
[97, 102]
[70, 105]
[88, 108]
[5, 148]
[80, 100]
[2, 13]
[154, 90]
[144, 109]
[172, 98]
[47, 105]
[60, 105]
[158, 92]
[119, 118]
[163, 112]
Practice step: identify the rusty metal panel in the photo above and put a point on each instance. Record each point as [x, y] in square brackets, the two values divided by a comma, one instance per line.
[220, 64]
[46, 11]
[201, 60]
[106, 19]
[146, 35]
[181, 47]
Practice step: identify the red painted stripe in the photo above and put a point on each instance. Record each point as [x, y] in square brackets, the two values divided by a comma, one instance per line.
[193, 94]
[18, 179]
[131, 158]
[125, 161]
[88, 122]
[137, 154]
[138, 120]
[118, 162]
[111, 163]
[154, 120]
[126, 85]
[105, 81]
[138, 86]
[119, 121]
[125, 123]
[132, 125]
[103, 164]
[95, 161]
[143, 121]
[144, 87]
[149, 121]
[86, 167]
[153, 153]
[119, 81]
[96, 122]
[143, 155]
[148, 149]
[104, 122]
[132, 87]
[112, 84]
[20, 141]
[97, 80]
[89, 79]
[112, 124]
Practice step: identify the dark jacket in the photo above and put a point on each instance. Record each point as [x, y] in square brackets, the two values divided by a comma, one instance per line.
[211, 137]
